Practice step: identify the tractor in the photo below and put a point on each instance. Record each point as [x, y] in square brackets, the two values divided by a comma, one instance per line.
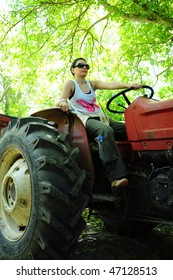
[50, 172]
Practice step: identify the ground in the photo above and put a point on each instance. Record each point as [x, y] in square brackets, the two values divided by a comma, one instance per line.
[98, 244]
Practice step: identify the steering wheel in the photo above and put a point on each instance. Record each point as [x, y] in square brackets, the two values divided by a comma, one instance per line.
[126, 98]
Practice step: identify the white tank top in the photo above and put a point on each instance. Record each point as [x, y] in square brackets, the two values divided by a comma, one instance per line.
[84, 102]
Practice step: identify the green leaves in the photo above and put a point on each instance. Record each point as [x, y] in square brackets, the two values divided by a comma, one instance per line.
[123, 40]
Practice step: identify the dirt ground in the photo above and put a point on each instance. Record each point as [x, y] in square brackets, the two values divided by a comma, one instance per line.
[103, 245]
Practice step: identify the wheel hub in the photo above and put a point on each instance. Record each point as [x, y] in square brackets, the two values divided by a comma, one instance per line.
[16, 199]
[9, 197]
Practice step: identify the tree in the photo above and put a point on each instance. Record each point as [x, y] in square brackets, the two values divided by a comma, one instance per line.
[127, 40]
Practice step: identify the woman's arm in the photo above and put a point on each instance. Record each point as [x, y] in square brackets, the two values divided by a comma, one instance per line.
[113, 85]
[67, 91]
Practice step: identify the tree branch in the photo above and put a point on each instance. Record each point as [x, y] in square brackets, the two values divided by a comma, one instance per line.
[152, 17]
[92, 25]
[30, 12]
[165, 70]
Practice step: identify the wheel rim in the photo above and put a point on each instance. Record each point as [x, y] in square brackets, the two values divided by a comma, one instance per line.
[15, 207]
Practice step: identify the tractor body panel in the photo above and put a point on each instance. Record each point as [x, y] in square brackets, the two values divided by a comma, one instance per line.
[149, 124]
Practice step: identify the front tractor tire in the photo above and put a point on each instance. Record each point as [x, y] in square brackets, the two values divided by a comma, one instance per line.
[41, 197]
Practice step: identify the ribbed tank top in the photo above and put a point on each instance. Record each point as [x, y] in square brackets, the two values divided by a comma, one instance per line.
[84, 102]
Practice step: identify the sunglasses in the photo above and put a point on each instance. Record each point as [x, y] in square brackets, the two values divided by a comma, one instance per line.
[82, 65]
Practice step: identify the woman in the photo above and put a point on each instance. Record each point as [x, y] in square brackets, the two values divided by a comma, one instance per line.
[80, 93]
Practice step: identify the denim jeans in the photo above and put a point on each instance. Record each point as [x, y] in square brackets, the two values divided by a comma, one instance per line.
[108, 149]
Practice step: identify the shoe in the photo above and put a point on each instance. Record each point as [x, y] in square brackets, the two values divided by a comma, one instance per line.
[119, 184]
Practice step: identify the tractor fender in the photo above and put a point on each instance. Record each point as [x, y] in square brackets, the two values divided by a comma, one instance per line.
[71, 123]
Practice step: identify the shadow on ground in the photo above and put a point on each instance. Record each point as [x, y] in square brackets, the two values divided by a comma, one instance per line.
[103, 245]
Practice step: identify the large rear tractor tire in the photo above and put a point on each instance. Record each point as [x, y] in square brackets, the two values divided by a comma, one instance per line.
[41, 197]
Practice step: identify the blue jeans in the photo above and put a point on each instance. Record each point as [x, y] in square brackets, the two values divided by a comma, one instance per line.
[108, 149]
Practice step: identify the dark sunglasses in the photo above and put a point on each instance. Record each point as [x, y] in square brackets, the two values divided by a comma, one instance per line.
[82, 65]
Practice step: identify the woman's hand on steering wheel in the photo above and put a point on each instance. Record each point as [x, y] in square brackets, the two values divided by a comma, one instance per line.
[133, 87]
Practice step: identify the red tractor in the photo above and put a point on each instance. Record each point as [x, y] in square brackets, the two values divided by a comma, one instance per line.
[50, 172]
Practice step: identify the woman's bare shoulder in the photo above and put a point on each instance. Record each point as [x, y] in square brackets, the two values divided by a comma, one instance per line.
[94, 84]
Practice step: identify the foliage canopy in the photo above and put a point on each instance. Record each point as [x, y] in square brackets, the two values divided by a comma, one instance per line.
[128, 40]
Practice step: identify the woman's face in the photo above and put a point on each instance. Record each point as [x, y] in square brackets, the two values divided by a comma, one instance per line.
[81, 68]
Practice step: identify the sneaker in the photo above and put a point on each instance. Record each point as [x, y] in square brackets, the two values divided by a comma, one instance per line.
[119, 184]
